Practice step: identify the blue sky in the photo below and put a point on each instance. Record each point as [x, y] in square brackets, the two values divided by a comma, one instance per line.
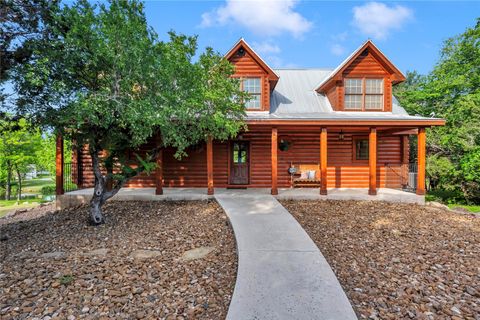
[320, 34]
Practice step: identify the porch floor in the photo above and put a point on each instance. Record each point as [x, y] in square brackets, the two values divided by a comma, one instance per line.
[82, 196]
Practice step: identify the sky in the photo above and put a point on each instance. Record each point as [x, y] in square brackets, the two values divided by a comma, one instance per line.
[319, 34]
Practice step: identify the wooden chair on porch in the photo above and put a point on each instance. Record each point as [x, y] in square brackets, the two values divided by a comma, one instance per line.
[307, 175]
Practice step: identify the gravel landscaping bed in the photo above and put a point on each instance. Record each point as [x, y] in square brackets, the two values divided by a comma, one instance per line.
[161, 260]
[398, 261]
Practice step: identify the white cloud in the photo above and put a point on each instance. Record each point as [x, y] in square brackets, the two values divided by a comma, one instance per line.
[277, 62]
[337, 49]
[377, 20]
[263, 17]
[265, 47]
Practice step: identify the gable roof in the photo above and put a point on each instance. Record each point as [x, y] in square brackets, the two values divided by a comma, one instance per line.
[242, 43]
[337, 72]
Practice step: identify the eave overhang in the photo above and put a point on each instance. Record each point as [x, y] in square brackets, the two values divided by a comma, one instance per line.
[349, 122]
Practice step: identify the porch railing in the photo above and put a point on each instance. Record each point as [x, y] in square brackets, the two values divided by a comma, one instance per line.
[404, 175]
[70, 177]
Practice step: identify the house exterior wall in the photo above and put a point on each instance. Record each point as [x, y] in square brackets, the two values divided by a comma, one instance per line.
[343, 171]
[246, 67]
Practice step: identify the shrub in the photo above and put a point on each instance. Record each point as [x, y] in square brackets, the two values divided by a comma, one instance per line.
[48, 190]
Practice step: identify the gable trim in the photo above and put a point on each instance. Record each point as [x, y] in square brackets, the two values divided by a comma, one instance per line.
[242, 43]
[397, 74]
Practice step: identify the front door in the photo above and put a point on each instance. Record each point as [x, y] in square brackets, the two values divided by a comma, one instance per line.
[239, 162]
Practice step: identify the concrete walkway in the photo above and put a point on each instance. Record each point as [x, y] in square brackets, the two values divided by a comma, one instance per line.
[281, 272]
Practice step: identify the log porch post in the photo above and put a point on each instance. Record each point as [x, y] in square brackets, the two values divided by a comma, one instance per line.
[421, 154]
[323, 161]
[372, 161]
[59, 166]
[210, 190]
[274, 190]
[159, 171]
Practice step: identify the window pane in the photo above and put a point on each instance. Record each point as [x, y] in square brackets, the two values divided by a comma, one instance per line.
[361, 149]
[353, 101]
[374, 86]
[353, 86]
[251, 85]
[254, 102]
[374, 101]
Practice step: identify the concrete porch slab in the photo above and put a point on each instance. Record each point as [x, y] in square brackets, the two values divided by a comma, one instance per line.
[383, 194]
[83, 196]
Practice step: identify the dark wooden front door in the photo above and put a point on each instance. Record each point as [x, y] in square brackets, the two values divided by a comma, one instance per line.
[239, 162]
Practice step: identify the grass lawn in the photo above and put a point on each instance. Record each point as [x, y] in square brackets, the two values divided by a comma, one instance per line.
[33, 186]
[10, 205]
[448, 198]
[469, 208]
[36, 185]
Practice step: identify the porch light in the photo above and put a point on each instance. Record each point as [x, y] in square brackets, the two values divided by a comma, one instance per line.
[341, 137]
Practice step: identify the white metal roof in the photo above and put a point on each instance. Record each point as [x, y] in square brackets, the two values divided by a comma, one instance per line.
[294, 97]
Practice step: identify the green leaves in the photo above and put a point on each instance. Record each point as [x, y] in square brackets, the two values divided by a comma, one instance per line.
[103, 78]
[451, 91]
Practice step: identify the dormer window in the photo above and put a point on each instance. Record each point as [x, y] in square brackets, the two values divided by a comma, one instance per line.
[363, 94]
[252, 86]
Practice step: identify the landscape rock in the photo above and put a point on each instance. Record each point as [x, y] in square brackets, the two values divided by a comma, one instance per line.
[96, 252]
[54, 255]
[427, 269]
[197, 253]
[435, 204]
[145, 254]
[56, 265]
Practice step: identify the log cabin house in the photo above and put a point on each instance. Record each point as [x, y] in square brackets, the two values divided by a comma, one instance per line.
[323, 128]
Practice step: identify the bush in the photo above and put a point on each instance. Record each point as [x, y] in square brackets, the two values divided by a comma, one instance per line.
[48, 190]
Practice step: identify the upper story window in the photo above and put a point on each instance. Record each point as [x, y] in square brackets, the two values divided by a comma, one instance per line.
[252, 86]
[363, 94]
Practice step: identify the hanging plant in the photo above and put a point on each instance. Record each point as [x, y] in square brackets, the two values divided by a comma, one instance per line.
[284, 145]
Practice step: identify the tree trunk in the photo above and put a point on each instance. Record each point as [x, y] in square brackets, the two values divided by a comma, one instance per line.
[100, 193]
[19, 188]
[8, 190]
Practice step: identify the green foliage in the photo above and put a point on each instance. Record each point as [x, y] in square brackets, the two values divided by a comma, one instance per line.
[441, 172]
[451, 91]
[103, 78]
[66, 279]
[19, 144]
[47, 190]
[21, 24]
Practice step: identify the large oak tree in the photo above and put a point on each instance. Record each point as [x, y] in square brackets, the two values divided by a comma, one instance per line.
[103, 78]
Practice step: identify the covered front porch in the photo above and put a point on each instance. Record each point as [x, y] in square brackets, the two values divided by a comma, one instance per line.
[82, 196]
[341, 170]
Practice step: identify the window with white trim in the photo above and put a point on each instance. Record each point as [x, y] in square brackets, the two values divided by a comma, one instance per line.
[363, 94]
[252, 86]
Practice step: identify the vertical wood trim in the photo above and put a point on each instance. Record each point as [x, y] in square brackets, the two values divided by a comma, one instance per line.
[421, 161]
[323, 161]
[210, 190]
[372, 161]
[159, 170]
[274, 190]
[405, 155]
[59, 166]
[340, 95]
[405, 149]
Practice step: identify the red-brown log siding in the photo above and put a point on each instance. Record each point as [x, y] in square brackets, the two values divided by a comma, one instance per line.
[246, 67]
[342, 170]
